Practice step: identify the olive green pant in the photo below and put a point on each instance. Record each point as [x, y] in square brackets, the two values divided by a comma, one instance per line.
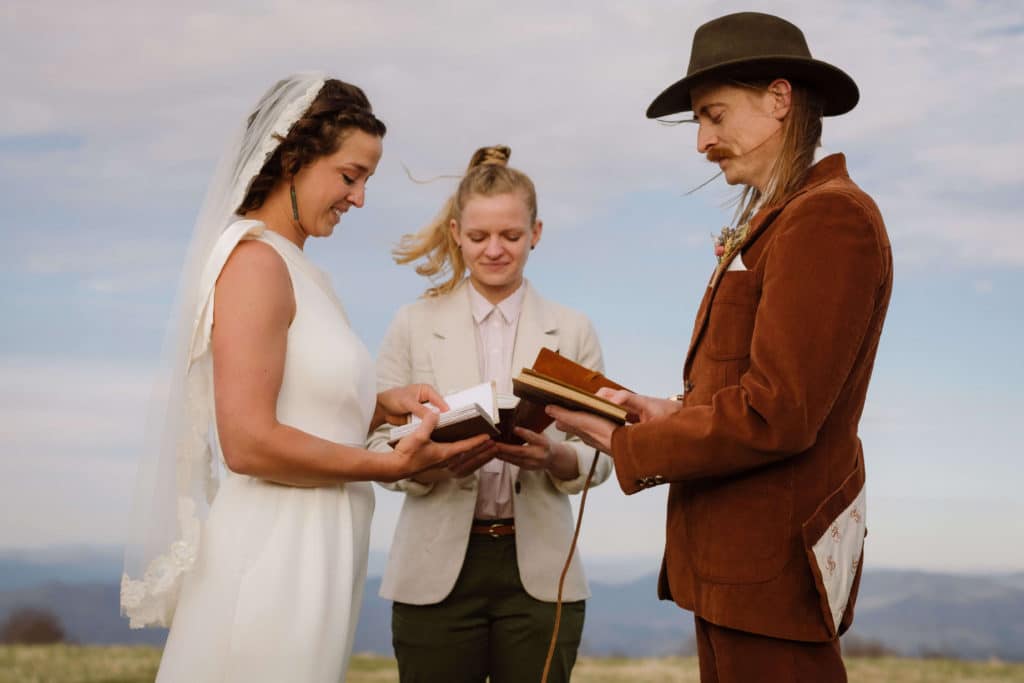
[488, 626]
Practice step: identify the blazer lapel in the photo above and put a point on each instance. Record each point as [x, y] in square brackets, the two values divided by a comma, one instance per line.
[453, 354]
[537, 328]
[757, 225]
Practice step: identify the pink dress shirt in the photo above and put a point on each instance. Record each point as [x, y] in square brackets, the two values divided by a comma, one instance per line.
[495, 338]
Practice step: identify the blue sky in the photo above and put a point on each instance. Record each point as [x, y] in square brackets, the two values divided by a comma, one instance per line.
[115, 115]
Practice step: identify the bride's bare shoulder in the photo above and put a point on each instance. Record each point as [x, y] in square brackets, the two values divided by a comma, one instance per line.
[255, 274]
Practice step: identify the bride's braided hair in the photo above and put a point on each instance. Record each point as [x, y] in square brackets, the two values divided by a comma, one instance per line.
[339, 108]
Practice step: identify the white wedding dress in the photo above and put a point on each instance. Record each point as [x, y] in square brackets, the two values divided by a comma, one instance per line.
[277, 585]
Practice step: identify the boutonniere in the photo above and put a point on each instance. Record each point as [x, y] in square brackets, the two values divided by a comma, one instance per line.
[729, 240]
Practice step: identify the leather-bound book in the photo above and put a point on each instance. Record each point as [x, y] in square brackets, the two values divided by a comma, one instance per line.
[554, 379]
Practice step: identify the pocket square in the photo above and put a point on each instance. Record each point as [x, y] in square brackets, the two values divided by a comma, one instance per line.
[737, 263]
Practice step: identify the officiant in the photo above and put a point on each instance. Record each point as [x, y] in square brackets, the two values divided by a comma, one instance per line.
[480, 544]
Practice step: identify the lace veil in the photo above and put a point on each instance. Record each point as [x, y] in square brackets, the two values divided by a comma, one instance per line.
[178, 472]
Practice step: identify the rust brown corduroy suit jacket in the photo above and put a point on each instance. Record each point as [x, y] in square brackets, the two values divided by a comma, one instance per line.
[764, 453]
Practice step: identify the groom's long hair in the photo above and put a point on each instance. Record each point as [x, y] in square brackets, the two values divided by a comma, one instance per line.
[801, 135]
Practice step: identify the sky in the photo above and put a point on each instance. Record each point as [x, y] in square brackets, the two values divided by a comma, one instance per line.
[115, 114]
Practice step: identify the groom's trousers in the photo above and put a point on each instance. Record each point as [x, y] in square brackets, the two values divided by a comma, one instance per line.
[730, 656]
[488, 625]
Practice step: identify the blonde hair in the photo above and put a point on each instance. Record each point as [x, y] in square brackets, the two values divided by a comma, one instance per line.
[487, 175]
[801, 135]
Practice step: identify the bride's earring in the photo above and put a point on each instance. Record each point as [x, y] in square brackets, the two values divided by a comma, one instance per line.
[295, 203]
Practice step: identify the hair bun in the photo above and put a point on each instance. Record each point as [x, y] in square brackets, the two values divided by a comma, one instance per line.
[495, 154]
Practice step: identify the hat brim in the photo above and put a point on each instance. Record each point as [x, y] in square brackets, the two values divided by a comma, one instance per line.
[838, 91]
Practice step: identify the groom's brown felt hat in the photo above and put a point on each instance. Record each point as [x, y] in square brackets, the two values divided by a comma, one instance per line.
[750, 46]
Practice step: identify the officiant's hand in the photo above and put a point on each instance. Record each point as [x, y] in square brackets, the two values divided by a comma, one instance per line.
[468, 463]
[592, 430]
[395, 405]
[540, 453]
[640, 408]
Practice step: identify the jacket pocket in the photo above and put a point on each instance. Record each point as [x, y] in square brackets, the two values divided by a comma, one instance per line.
[741, 527]
[834, 544]
[731, 318]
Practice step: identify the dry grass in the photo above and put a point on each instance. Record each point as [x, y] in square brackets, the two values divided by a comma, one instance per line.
[76, 664]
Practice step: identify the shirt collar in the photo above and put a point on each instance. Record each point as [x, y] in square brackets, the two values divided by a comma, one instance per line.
[509, 307]
[819, 153]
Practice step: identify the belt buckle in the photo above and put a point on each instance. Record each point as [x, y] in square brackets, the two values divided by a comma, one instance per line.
[493, 530]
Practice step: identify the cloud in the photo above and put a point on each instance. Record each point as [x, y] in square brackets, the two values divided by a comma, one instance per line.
[151, 92]
[565, 85]
[53, 407]
[69, 434]
[117, 113]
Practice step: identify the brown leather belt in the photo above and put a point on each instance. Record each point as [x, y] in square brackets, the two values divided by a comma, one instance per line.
[495, 528]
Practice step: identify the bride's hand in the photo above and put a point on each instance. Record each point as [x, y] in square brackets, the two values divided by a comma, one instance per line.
[417, 452]
[395, 405]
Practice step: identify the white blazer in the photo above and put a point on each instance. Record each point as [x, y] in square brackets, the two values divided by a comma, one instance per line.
[433, 341]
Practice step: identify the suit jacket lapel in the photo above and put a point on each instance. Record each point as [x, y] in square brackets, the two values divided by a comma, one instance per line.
[758, 224]
[537, 328]
[453, 354]
[830, 167]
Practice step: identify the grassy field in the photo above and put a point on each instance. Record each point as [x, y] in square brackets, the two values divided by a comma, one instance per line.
[73, 664]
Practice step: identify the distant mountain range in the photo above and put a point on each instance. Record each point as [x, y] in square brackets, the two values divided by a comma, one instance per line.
[911, 612]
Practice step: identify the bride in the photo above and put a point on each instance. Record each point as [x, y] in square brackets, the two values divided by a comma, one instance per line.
[260, 577]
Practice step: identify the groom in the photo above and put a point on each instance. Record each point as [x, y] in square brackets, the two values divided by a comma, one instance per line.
[766, 517]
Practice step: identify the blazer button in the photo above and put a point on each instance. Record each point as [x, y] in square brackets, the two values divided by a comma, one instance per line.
[519, 486]
[658, 479]
[687, 386]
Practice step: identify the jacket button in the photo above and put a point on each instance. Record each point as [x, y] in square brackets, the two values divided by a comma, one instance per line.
[519, 486]
[658, 479]
[687, 386]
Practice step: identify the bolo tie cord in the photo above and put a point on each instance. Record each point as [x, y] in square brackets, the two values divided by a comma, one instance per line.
[565, 570]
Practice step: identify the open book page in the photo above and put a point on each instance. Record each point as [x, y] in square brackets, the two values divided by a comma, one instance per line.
[483, 395]
[477, 405]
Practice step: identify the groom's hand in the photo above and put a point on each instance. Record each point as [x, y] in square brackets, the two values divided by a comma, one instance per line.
[640, 408]
[592, 430]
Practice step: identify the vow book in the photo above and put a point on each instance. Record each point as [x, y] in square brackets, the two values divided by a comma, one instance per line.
[477, 410]
[554, 379]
